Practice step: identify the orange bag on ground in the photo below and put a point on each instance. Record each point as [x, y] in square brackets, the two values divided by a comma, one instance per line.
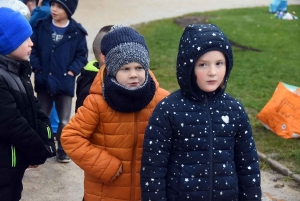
[281, 114]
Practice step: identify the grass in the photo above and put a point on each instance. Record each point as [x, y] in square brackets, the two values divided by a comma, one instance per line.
[255, 75]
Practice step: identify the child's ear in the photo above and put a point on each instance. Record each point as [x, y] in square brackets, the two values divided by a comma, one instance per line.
[102, 57]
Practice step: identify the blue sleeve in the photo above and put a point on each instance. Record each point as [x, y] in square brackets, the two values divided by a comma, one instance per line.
[38, 13]
[156, 151]
[246, 160]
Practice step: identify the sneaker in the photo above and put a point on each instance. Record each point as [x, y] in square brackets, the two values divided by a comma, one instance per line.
[61, 156]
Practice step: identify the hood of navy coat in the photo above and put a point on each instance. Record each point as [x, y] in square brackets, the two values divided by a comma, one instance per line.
[196, 40]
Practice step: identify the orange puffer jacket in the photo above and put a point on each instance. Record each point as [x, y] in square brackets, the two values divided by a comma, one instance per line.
[99, 139]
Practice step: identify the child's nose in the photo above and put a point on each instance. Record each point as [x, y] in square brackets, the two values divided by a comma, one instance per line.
[30, 43]
[212, 71]
[133, 73]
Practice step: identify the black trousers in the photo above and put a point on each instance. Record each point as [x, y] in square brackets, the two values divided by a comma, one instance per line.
[11, 185]
[63, 105]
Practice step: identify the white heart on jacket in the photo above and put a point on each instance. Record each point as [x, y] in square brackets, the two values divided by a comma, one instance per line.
[225, 119]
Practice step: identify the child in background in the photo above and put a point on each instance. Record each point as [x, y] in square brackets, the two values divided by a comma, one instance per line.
[41, 11]
[58, 55]
[31, 4]
[198, 143]
[105, 136]
[89, 72]
[16, 5]
[25, 138]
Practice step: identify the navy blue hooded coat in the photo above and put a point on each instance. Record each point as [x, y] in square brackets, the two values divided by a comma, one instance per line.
[51, 62]
[199, 145]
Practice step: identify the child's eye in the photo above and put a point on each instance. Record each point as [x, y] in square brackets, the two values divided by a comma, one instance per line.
[202, 65]
[139, 68]
[124, 68]
[219, 63]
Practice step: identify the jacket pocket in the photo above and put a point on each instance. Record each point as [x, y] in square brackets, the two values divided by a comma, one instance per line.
[17, 161]
[13, 156]
[53, 84]
[38, 78]
[46, 135]
[68, 84]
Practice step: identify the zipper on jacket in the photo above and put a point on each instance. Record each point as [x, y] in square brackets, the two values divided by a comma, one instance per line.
[13, 156]
[49, 132]
[134, 158]
[210, 149]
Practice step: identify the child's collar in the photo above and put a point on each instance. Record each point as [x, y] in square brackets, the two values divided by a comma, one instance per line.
[67, 23]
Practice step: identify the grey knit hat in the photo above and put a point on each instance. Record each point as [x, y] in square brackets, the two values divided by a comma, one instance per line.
[123, 45]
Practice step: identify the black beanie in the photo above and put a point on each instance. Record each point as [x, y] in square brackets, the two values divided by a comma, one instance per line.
[69, 5]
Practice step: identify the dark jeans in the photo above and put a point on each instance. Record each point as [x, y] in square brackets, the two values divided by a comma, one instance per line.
[63, 105]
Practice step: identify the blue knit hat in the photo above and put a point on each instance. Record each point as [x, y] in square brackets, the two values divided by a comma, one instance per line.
[123, 45]
[14, 30]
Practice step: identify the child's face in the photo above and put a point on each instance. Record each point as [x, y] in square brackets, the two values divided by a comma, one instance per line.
[58, 12]
[23, 52]
[131, 75]
[210, 70]
[31, 5]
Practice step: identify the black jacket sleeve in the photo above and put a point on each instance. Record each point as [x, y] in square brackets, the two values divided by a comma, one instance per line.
[44, 130]
[16, 130]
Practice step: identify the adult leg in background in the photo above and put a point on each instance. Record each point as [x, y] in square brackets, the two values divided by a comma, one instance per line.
[63, 104]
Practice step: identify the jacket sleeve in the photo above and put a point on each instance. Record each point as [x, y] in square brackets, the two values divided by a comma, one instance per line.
[75, 140]
[83, 86]
[16, 130]
[34, 56]
[80, 59]
[246, 160]
[156, 151]
[44, 130]
[38, 13]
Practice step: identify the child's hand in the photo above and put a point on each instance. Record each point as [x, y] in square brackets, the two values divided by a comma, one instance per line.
[118, 173]
[33, 166]
[40, 3]
[71, 73]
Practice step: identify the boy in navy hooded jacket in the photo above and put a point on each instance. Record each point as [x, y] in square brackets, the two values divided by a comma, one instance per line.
[198, 144]
[58, 54]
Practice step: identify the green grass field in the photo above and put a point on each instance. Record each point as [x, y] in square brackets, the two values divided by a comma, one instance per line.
[255, 74]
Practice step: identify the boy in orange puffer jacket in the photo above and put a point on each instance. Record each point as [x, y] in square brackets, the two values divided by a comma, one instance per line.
[106, 135]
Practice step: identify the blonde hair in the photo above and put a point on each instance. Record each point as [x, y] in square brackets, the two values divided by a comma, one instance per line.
[97, 42]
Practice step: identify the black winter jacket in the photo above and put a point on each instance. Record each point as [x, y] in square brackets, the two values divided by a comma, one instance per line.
[25, 135]
[198, 145]
[85, 81]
